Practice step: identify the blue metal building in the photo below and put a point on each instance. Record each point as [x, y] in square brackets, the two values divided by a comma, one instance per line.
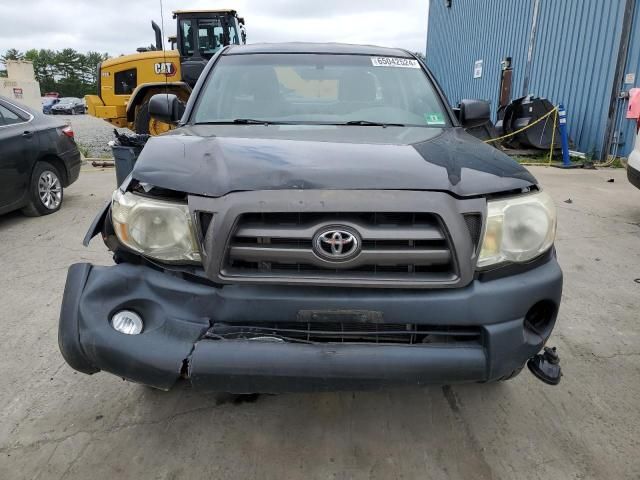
[582, 53]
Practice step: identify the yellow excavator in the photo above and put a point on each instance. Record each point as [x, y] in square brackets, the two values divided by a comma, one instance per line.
[126, 83]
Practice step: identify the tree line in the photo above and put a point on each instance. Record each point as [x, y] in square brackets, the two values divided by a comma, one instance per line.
[66, 71]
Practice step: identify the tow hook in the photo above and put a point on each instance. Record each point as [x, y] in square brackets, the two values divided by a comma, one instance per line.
[546, 366]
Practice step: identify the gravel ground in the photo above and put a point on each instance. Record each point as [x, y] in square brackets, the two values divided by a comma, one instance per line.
[92, 134]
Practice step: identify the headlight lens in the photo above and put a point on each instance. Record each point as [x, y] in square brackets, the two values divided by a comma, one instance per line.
[156, 228]
[518, 229]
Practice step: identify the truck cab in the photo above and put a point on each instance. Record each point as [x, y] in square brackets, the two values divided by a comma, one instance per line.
[200, 34]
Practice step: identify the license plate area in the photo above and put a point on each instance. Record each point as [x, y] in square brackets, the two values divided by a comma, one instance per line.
[342, 316]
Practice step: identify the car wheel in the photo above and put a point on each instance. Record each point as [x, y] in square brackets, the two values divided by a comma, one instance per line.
[45, 191]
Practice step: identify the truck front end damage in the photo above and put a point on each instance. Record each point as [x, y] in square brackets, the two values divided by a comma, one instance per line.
[332, 252]
[247, 339]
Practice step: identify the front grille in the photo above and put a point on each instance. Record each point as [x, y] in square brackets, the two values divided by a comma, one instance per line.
[474, 224]
[394, 246]
[346, 332]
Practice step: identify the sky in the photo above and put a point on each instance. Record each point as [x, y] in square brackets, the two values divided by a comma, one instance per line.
[118, 27]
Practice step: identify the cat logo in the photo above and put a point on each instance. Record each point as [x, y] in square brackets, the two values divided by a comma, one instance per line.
[165, 68]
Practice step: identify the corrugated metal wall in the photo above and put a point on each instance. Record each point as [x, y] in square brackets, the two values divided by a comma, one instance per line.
[471, 30]
[573, 60]
[628, 127]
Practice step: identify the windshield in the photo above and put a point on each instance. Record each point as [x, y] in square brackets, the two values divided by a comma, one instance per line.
[67, 101]
[323, 89]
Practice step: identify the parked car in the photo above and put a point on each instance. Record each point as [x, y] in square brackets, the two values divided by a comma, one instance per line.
[47, 103]
[633, 166]
[69, 106]
[38, 159]
[319, 220]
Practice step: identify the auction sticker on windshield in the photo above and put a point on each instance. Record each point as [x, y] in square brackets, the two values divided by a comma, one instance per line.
[394, 62]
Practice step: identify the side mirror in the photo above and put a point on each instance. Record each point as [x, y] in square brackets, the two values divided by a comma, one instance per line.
[474, 112]
[166, 108]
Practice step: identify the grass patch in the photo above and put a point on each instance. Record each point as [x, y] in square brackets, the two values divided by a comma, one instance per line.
[84, 150]
[619, 162]
[541, 158]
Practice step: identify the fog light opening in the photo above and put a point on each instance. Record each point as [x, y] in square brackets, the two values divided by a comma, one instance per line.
[539, 318]
[127, 322]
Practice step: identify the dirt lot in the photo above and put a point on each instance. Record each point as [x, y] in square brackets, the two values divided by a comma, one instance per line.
[56, 423]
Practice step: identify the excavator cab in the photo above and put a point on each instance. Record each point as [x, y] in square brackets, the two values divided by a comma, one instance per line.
[127, 83]
[200, 34]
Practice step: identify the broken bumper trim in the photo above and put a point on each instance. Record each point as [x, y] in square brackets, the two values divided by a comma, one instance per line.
[178, 313]
[68, 331]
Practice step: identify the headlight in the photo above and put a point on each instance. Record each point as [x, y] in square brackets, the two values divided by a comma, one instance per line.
[156, 228]
[518, 229]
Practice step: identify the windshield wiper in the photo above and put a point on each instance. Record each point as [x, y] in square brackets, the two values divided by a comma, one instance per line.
[243, 121]
[367, 123]
[252, 121]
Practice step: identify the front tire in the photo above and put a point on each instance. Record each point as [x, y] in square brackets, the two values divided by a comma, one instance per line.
[143, 118]
[45, 191]
[144, 124]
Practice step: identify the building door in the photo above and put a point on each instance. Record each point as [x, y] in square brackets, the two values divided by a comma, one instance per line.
[505, 87]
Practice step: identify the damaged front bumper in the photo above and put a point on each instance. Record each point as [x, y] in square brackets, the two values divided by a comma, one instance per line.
[179, 316]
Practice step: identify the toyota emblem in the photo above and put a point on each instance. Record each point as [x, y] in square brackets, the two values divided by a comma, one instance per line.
[336, 244]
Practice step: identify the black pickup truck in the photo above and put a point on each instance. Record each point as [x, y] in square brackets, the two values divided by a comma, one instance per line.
[319, 220]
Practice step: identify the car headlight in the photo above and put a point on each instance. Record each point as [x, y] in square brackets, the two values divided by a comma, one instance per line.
[158, 229]
[518, 229]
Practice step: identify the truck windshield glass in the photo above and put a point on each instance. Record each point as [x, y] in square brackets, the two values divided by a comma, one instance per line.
[319, 89]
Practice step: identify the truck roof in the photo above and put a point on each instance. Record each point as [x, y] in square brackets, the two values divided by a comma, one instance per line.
[305, 47]
[222, 10]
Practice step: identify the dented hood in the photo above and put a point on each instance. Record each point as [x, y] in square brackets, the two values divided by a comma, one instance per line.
[213, 160]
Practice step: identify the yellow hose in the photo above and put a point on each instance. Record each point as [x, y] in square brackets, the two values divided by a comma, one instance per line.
[553, 137]
[555, 109]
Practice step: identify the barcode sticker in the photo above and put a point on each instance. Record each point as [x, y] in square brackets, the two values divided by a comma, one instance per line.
[394, 62]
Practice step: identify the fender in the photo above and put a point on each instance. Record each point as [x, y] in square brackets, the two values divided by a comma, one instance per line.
[141, 91]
